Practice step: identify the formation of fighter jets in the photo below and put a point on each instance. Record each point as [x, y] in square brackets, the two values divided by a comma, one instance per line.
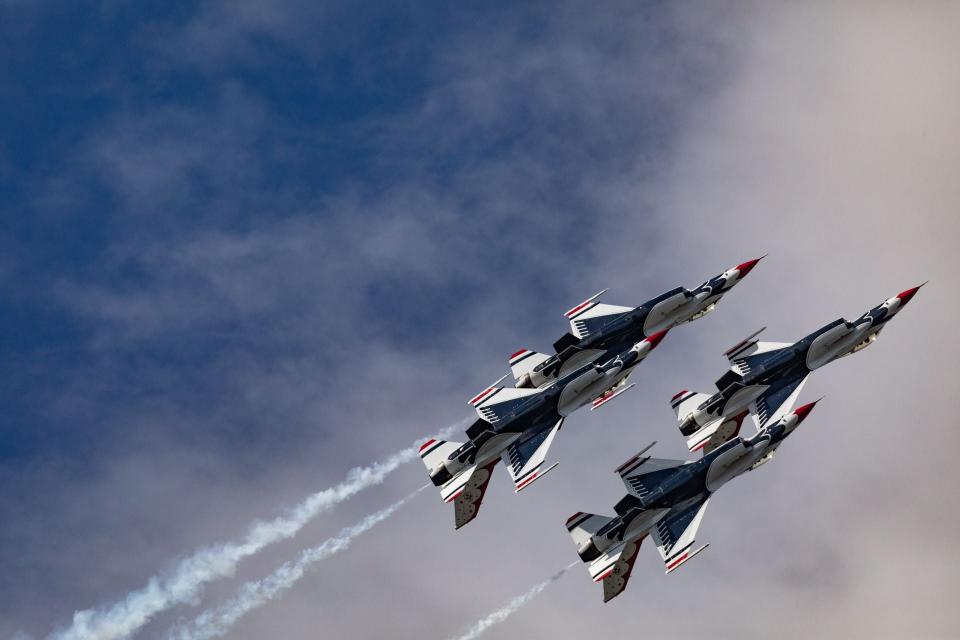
[592, 365]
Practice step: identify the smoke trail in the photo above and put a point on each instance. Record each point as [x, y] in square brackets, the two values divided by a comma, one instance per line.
[217, 621]
[184, 582]
[514, 605]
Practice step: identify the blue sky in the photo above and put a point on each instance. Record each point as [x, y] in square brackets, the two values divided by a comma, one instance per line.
[247, 246]
[127, 129]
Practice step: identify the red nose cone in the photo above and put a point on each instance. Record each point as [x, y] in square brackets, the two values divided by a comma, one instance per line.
[655, 339]
[748, 266]
[803, 411]
[906, 296]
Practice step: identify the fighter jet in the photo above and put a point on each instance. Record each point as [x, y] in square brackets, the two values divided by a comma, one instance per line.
[666, 499]
[604, 330]
[765, 378]
[518, 425]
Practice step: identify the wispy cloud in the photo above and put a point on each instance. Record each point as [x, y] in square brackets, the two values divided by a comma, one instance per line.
[216, 622]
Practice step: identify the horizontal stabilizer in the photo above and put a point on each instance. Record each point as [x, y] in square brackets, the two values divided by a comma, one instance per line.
[466, 491]
[614, 569]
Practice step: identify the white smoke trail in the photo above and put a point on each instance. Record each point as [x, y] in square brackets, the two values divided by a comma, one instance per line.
[513, 606]
[215, 622]
[185, 581]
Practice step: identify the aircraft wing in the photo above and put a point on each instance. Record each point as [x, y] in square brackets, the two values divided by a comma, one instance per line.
[747, 355]
[776, 402]
[495, 403]
[589, 322]
[642, 474]
[674, 534]
[750, 346]
[525, 460]
[588, 316]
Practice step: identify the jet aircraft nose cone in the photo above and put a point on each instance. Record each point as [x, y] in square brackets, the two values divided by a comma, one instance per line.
[804, 411]
[748, 266]
[906, 296]
[655, 339]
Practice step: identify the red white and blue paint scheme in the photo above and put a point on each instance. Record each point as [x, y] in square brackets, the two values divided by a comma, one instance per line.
[765, 378]
[600, 331]
[666, 500]
[517, 425]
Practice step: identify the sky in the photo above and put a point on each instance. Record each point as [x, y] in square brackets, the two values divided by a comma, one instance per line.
[249, 246]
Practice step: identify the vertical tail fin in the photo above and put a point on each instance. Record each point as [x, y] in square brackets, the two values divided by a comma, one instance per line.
[684, 404]
[435, 454]
[583, 527]
[522, 365]
[462, 483]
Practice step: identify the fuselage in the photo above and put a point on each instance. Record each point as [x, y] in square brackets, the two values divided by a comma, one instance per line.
[766, 373]
[539, 412]
[695, 480]
[672, 308]
[585, 368]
